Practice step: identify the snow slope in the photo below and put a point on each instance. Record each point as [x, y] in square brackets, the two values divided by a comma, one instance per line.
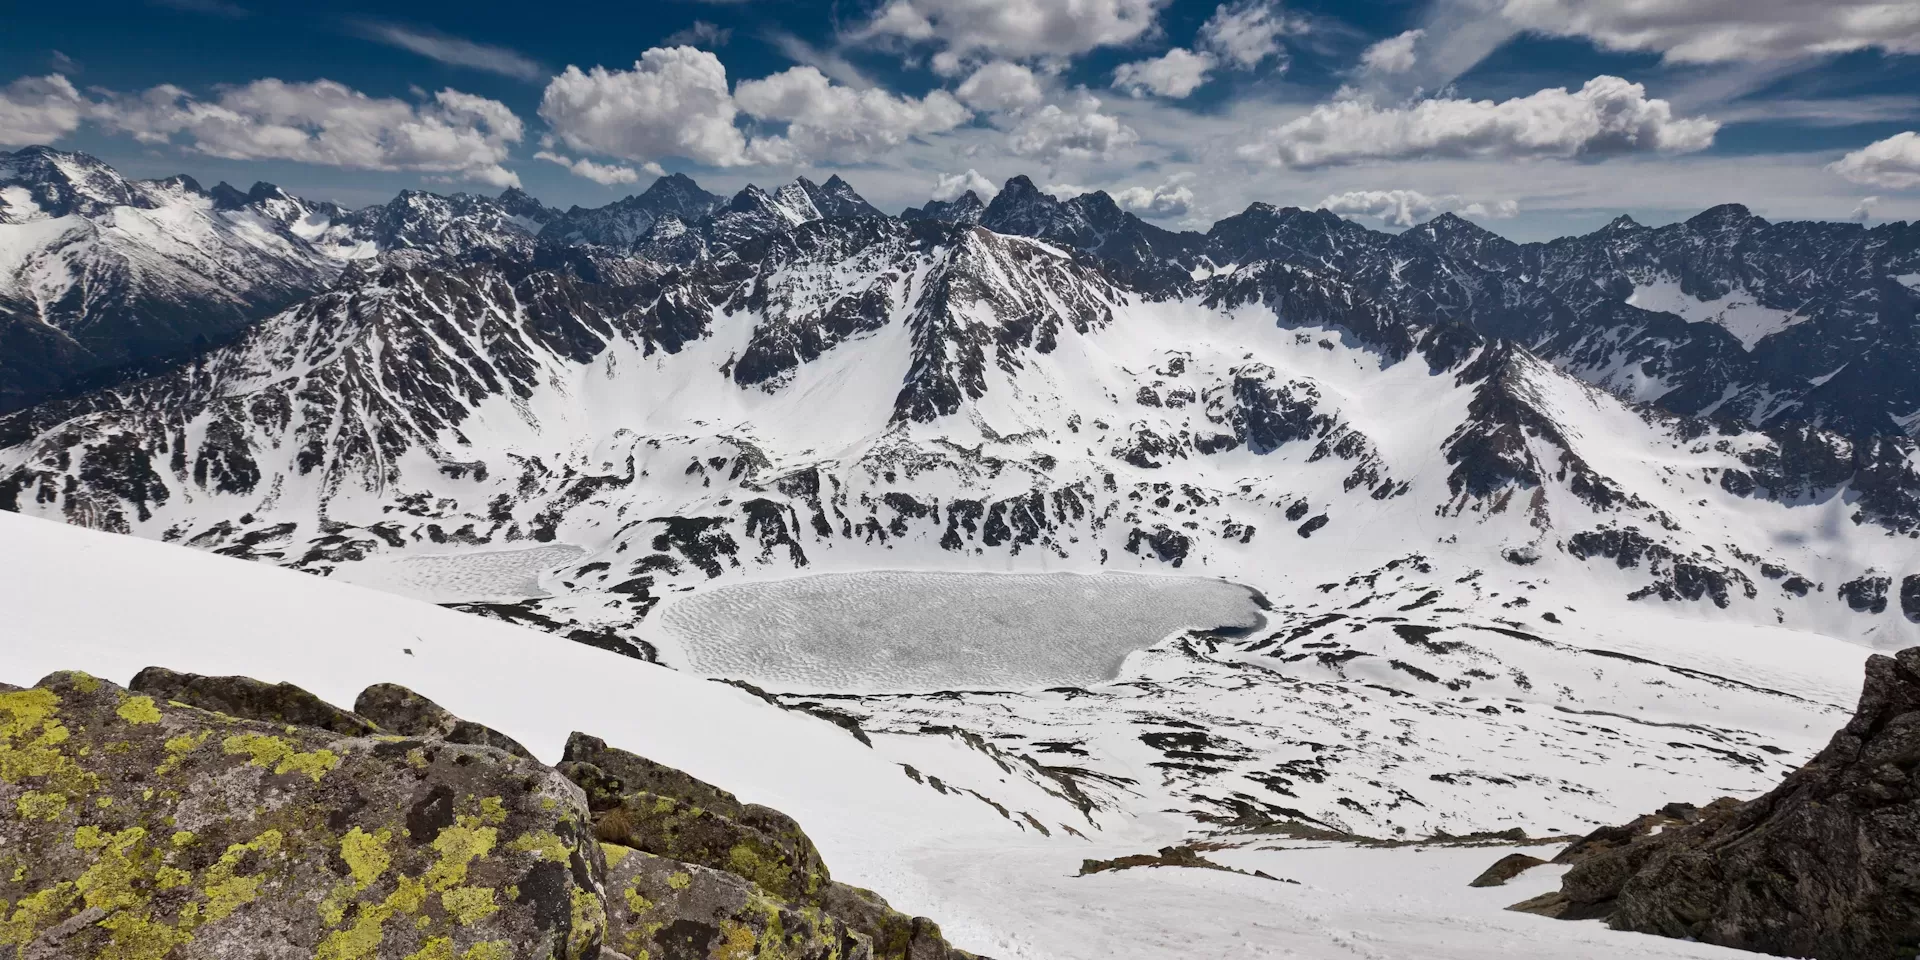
[1737, 311]
[110, 605]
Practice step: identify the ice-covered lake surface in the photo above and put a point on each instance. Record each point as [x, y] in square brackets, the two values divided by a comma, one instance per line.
[911, 632]
[475, 576]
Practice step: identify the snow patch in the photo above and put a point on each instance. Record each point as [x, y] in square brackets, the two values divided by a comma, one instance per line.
[1738, 312]
[1909, 280]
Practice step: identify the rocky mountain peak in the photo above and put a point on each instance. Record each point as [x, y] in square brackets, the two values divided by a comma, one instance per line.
[837, 198]
[966, 208]
[62, 183]
[1727, 216]
[518, 203]
[1622, 224]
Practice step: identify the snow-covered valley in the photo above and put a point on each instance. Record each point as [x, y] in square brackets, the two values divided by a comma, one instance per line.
[1000, 886]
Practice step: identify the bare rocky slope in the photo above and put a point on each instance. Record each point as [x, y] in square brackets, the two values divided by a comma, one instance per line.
[1821, 866]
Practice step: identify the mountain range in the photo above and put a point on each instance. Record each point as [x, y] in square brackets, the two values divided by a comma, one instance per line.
[1514, 512]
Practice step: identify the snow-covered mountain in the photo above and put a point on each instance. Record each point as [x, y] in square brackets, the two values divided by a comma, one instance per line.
[1723, 315]
[1426, 506]
[98, 272]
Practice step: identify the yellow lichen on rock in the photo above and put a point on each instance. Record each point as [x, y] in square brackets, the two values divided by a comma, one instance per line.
[459, 845]
[366, 855]
[139, 710]
[279, 755]
[468, 905]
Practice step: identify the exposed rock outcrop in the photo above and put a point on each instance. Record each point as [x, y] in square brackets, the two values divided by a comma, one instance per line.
[250, 699]
[660, 811]
[1506, 868]
[666, 908]
[399, 710]
[1821, 867]
[139, 827]
[217, 817]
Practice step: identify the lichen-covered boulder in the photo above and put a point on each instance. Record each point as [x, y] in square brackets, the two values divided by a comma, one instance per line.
[610, 776]
[668, 910]
[667, 827]
[131, 827]
[657, 809]
[250, 699]
[895, 936]
[399, 710]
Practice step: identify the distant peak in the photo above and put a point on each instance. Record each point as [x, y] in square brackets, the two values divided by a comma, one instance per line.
[1722, 215]
[1018, 185]
[1623, 222]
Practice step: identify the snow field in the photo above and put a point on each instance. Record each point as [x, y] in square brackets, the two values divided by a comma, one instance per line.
[995, 887]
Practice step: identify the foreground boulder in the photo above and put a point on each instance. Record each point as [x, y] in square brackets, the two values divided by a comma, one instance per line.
[399, 710]
[665, 908]
[1824, 866]
[139, 827]
[250, 698]
[645, 806]
[222, 817]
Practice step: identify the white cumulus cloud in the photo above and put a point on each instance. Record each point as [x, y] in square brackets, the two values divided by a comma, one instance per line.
[1715, 31]
[1893, 163]
[323, 122]
[830, 121]
[1404, 208]
[1080, 132]
[601, 173]
[673, 103]
[1246, 33]
[1175, 74]
[1016, 29]
[949, 186]
[1170, 199]
[1606, 116]
[1000, 85]
[1392, 55]
[39, 110]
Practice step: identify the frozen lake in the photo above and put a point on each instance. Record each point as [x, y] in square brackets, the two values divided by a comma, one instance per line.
[902, 631]
[474, 576]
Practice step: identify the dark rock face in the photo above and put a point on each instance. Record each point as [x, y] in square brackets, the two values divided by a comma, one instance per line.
[152, 829]
[250, 699]
[399, 710]
[1506, 868]
[1820, 867]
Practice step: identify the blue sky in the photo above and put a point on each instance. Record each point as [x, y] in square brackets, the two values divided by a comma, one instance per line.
[1537, 117]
